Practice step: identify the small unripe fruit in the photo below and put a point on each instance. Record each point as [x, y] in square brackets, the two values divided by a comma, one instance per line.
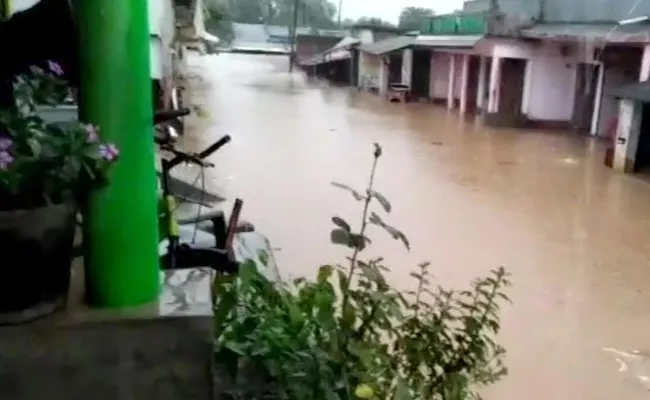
[364, 391]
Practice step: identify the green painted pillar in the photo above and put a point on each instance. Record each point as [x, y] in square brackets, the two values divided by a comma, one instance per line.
[120, 224]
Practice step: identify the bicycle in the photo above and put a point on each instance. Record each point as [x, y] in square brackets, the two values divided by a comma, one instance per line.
[179, 253]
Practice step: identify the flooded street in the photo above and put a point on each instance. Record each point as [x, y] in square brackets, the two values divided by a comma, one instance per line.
[574, 234]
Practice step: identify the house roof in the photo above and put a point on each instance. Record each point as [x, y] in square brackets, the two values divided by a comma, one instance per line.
[608, 32]
[639, 91]
[388, 45]
[345, 43]
[376, 28]
[423, 41]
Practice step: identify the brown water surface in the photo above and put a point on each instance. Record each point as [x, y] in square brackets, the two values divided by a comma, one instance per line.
[574, 234]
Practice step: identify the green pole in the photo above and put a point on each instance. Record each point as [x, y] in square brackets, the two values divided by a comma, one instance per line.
[120, 224]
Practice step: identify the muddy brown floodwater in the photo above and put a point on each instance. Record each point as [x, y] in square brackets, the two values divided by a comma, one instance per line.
[574, 234]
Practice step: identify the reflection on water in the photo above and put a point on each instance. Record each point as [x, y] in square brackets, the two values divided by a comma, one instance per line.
[574, 234]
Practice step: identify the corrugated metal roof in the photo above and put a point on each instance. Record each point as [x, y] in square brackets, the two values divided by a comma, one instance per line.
[388, 45]
[639, 91]
[635, 33]
[427, 41]
[345, 43]
[458, 41]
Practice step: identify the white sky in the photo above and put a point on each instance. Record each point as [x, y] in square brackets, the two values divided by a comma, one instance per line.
[389, 9]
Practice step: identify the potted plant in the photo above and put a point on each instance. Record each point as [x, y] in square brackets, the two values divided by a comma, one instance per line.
[46, 170]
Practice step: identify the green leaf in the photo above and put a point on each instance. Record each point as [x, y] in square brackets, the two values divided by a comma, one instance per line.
[394, 232]
[358, 241]
[382, 200]
[340, 236]
[402, 391]
[264, 257]
[357, 196]
[324, 273]
[340, 222]
[343, 281]
[349, 315]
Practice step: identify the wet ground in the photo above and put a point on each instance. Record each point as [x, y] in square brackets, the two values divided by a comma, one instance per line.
[574, 234]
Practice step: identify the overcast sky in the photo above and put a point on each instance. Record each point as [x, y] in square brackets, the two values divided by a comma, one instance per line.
[389, 9]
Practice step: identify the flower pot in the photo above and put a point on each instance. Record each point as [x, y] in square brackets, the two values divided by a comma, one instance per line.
[36, 247]
[62, 114]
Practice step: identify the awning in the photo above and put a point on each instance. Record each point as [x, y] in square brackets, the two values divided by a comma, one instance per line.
[605, 32]
[388, 45]
[340, 51]
[345, 43]
[639, 91]
[454, 41]
[422, 41]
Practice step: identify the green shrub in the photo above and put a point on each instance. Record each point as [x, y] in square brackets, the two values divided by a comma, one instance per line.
[349, 334]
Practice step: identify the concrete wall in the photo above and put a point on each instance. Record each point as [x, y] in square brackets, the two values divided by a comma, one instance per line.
[439, 78]
[159, 359]
[593, 10]
[570, 11]
[369, 65]
[162, 28]
[551, 74]
[551, 92]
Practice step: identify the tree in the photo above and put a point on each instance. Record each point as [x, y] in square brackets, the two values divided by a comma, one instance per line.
[373, 21]
[411, 18]
[313, 13]
[218, 21]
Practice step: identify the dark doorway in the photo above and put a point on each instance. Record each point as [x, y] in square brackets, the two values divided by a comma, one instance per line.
[421, 74]
[642, 158]
[512, 85]
[583, 105]
[395, 68]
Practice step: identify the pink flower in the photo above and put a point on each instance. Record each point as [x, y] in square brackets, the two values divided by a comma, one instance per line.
[109, 152]
[55, 68]
[5, 143]
[5, 160]
[91, 130]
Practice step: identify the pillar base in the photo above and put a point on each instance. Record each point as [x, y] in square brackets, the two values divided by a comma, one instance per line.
[158, 351]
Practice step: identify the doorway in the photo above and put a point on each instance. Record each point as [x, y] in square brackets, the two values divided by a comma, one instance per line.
[642, 157]
[394, 68]
[420, 74]
[511, 90]
[585, 94]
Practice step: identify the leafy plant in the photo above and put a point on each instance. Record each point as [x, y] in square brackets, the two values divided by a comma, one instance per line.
[349, 334]
[43, 163]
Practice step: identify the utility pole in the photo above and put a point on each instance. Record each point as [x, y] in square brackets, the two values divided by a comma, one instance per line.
[339, 17]
[294, 26]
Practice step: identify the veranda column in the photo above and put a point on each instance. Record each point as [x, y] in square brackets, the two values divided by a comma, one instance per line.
[407, 67]
[464, 81]
[120, 224]
[495, 77]
[482, 84]
[451, 82]
[644, 74]
[628, 131]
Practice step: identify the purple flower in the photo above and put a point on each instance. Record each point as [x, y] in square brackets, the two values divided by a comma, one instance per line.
[5, 143]
[109, 152]
[92, 133]
[5, 160]
[55, 68]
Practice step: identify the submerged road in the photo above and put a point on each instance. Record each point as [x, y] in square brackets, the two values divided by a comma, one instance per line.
[574, 234]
